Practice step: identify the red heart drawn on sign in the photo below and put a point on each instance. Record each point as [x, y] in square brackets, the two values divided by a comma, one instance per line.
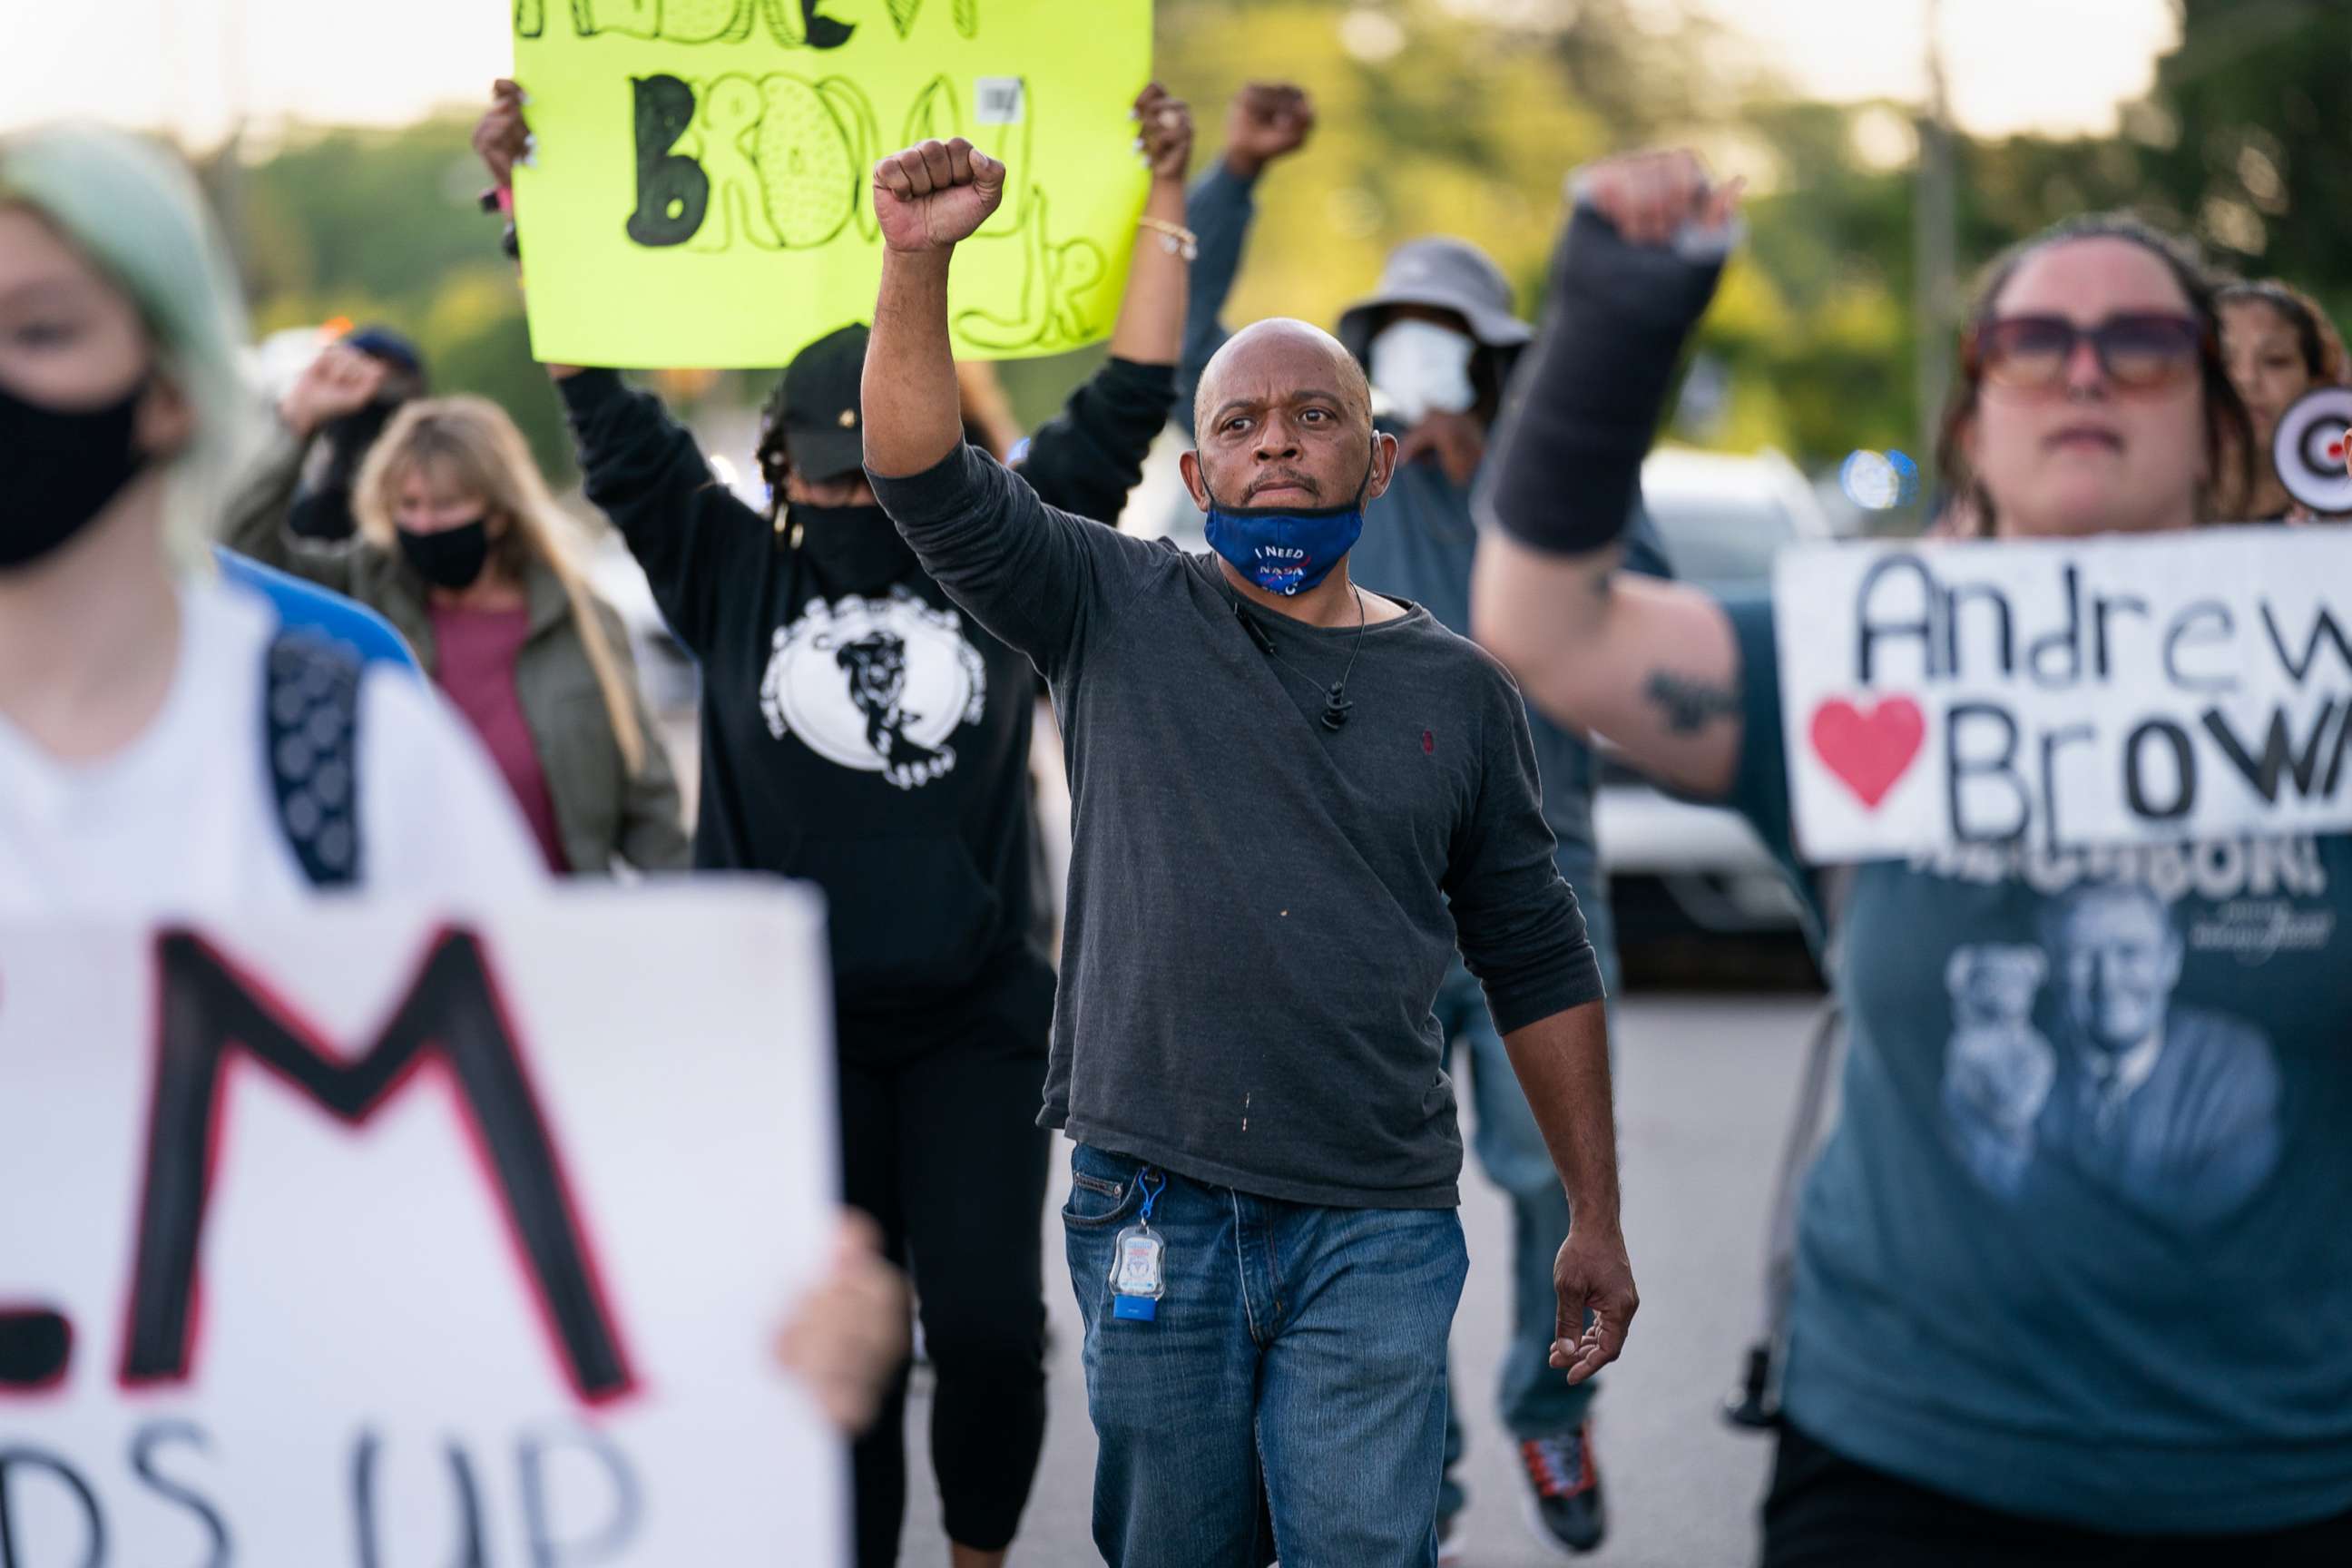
[1868, 751]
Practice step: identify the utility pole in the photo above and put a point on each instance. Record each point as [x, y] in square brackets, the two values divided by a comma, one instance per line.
[1934, 238]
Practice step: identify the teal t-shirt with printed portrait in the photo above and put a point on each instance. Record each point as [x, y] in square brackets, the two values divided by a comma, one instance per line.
[2080, 1244]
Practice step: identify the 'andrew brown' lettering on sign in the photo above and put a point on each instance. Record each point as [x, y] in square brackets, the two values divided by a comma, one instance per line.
[2064, 693]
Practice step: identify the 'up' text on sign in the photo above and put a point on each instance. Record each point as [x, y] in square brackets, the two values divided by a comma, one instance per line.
[2066, 693]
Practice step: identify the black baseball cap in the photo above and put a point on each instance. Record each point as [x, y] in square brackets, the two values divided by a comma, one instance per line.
[825, 431]
[381, 342]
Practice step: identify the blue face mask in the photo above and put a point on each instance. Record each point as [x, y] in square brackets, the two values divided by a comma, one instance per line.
[1286, 550]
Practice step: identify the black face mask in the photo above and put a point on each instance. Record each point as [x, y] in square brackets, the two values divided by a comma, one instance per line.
[449, 558]
[850, 549]
[62, 467]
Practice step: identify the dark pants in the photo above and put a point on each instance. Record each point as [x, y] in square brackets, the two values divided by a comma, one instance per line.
[943, 1149]
[1824, 1510]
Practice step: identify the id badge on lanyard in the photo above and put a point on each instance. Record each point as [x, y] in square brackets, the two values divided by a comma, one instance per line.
[1136, 1275]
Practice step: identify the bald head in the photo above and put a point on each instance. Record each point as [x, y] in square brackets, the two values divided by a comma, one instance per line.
[1270, 358]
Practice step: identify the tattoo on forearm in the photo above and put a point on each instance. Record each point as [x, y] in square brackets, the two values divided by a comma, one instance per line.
[1690, 705]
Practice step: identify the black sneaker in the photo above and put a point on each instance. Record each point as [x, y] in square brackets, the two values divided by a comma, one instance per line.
[1564, 1505]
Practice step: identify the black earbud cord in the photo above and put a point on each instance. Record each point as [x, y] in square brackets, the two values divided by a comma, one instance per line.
[1335, 696]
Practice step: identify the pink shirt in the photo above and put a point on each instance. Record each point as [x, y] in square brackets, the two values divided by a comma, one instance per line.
[477, 670]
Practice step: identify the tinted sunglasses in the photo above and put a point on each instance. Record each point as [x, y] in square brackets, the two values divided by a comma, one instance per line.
[2138, 351]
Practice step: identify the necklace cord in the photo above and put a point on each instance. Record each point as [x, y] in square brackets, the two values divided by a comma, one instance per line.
[1335, 704]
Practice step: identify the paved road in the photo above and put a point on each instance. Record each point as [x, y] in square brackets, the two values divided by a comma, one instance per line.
[1705, 1092]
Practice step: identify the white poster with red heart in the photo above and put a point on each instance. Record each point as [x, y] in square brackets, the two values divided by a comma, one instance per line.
[2058, 694]
[364, 1237]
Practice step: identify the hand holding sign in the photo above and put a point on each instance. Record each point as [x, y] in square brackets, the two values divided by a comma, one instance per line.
[1166, 138]
[501, 139]
[933, 195]
[849, 1333]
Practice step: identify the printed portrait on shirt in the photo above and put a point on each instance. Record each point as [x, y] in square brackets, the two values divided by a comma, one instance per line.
[2083, 1050]
[1998, 1068]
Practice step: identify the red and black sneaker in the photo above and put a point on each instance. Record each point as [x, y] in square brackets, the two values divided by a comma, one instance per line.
[1564, 1504]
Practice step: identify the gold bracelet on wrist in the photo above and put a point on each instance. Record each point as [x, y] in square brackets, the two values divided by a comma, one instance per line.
[1174, 238]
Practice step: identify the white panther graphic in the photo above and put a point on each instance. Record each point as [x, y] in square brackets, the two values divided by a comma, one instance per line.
[878, 685]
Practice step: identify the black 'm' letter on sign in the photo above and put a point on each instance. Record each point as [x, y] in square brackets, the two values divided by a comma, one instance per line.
[672, 190]
[450, 1015]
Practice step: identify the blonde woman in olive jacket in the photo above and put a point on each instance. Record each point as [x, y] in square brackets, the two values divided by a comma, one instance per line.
[461, 548]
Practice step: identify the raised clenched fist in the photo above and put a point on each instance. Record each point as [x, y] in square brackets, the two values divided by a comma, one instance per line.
[1648, 196]
[339, 383]
[931, 195]
[1268, 120]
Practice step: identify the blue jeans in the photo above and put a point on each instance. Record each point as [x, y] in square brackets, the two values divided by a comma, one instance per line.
[1298, 1348]
[1533, 1400]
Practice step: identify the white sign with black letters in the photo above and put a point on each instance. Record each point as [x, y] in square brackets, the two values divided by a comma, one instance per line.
[2066, 693]
[364, 1237]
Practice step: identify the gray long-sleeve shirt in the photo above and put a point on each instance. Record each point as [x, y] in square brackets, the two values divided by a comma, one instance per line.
[1418, 539]
[1260, 909]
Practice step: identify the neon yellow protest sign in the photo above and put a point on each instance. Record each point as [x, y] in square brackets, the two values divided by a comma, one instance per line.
[701, 192]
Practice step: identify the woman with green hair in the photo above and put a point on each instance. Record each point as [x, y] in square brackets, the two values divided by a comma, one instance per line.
[162, 746]
[163, 740]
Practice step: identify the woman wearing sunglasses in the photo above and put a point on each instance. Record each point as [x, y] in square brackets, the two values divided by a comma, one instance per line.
[2073, 1272]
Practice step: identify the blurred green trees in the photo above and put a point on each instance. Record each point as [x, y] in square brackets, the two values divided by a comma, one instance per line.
[1450, 116]
[2249, 138]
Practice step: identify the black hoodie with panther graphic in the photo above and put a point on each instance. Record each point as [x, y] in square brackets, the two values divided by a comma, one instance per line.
[857, 730]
